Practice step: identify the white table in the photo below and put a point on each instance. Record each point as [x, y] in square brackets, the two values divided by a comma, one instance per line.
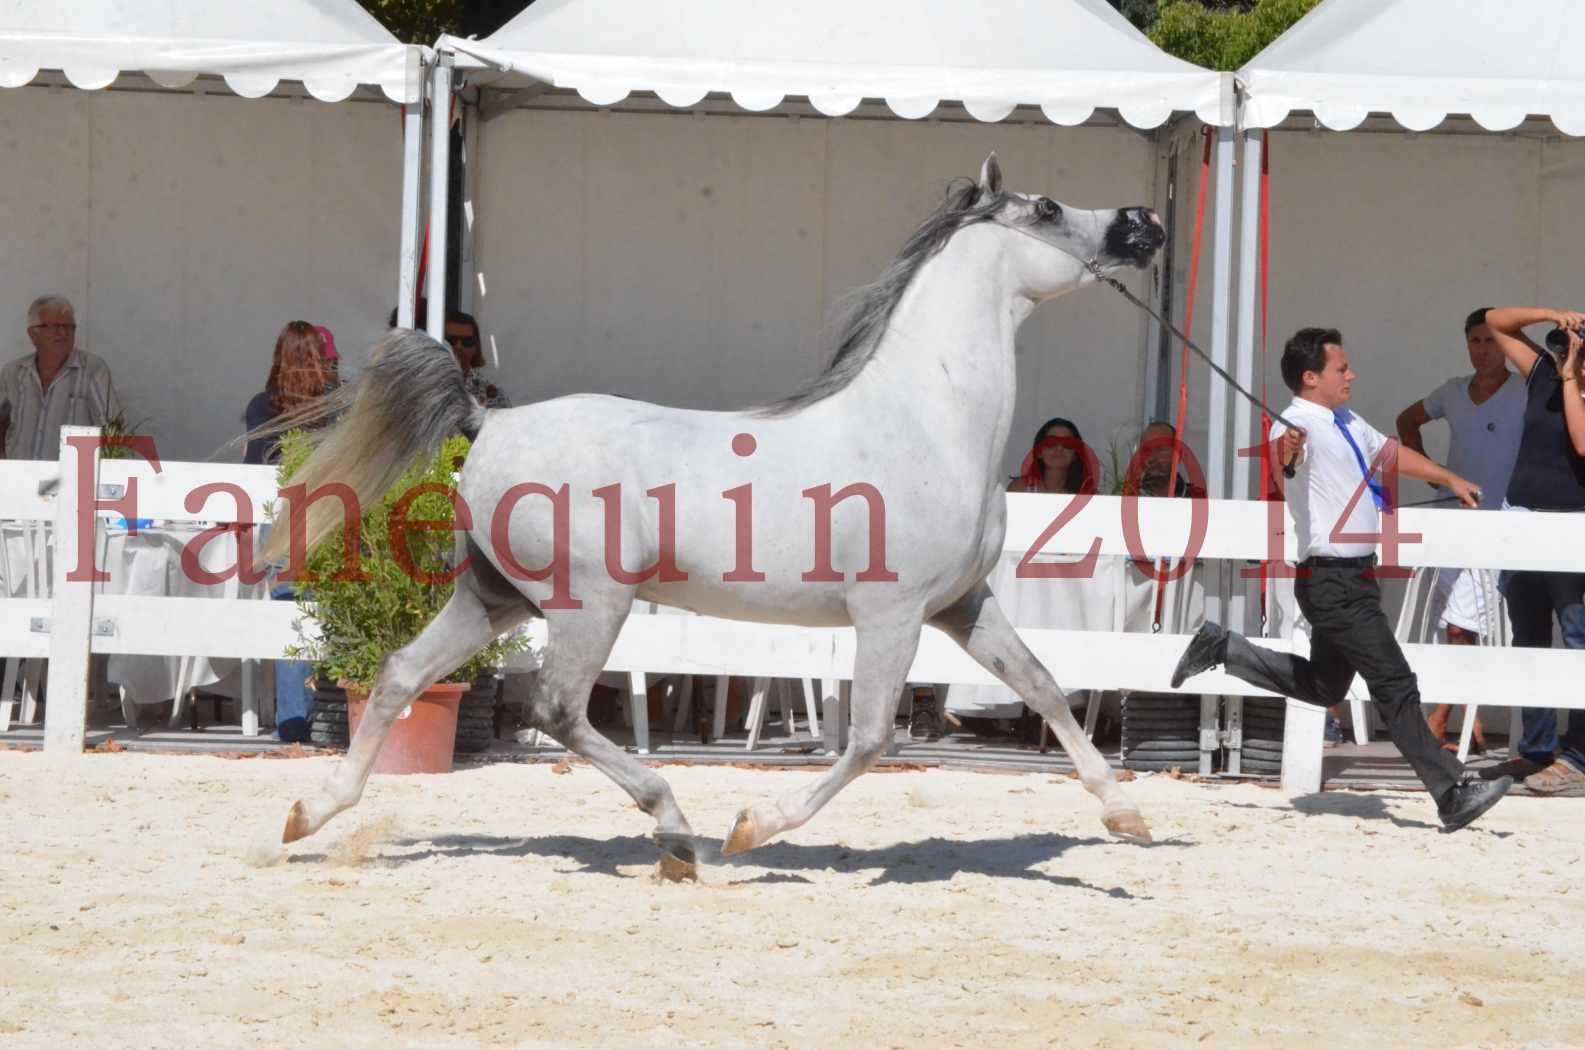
[150, 564]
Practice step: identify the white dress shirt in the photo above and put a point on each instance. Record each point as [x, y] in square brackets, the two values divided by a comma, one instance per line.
[1326, 478]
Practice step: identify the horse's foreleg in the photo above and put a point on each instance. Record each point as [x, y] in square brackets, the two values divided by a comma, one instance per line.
[464, 626]
[881, 663]
[580, 642]
[977, 623]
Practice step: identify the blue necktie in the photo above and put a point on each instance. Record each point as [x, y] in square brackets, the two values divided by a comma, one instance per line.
[1341, 416]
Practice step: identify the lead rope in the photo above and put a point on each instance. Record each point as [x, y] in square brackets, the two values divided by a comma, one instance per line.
[1101, 275]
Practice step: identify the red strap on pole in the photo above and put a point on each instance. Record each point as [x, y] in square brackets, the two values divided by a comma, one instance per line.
[1188, 306]
[1267, 474]
[418, 285]
[1265, 304]
[1188, 327]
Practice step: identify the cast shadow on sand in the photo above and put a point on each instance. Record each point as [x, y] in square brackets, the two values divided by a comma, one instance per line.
[1364, 806]
[929, 860]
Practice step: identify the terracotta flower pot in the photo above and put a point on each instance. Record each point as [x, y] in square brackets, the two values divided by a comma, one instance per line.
[422, 736]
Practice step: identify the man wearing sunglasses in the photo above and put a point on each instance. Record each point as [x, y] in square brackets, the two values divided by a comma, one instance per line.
[462, 335]
[55, 386]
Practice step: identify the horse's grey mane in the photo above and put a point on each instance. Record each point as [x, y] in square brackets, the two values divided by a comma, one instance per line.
[865, 311]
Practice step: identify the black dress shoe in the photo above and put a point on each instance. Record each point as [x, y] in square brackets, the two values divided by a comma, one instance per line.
[1468, 799]
[1205, 650]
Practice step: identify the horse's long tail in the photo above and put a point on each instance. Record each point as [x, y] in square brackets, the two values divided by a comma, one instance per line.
[411, 398]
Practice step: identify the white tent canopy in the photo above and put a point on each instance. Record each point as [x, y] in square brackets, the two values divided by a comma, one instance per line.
[331, 46]
[1423, 60]
[1069, 57]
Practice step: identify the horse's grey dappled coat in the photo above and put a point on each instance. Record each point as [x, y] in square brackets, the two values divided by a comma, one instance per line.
[897, 446]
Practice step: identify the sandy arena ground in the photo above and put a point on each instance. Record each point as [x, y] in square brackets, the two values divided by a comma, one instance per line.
[512, 906]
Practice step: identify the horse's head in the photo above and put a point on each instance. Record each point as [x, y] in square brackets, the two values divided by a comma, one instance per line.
[1059, 243]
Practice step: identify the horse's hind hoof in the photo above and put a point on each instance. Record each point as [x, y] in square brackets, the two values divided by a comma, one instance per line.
[1128, 825]
[745, 834]
[296, 824]
[678, 862]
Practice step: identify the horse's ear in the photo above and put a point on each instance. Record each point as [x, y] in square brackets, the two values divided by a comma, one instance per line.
[990, 176]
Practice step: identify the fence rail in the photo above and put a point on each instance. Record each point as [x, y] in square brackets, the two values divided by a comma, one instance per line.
[80, 622]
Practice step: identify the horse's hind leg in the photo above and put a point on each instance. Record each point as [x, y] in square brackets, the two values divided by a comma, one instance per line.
[580, 642]
[475, 614]
[977, 623]
[880, 665]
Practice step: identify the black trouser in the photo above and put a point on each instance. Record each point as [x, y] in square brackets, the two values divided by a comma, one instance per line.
[1349, 633]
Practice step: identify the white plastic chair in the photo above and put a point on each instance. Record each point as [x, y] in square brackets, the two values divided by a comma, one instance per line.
[27, 576]
[757, 706]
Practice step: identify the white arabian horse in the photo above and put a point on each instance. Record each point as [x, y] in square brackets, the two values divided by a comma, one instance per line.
[871, 498]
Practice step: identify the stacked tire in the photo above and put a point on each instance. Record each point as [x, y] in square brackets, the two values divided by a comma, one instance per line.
[1161, 732]
[328, 724]
[327, 721]
[1262, 747]
[476, 717]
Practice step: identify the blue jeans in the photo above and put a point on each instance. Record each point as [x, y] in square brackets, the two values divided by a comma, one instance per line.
[294, 701]
[1534, 598]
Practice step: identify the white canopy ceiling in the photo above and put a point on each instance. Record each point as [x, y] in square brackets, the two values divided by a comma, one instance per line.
[331, 46]
[1421, 60]
[1070, 57]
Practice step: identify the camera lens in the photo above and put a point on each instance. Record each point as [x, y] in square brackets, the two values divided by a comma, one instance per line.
[1557, 341]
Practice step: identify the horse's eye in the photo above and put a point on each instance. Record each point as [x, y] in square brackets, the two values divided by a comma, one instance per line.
[1047, 209]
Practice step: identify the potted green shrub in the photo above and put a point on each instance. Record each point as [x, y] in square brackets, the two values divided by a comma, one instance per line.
[364, 615]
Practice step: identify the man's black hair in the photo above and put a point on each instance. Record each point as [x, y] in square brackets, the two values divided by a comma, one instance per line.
[1306, 352]
[1475, 320]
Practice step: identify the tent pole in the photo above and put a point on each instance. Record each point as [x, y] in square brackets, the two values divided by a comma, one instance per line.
[1221, 314]
[467, 291]
[439, 185]
[412, 175]
[1246, 474]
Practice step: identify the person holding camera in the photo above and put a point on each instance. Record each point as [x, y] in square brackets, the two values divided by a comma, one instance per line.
[1549, 475]
[1336, 504]
[1485, 417]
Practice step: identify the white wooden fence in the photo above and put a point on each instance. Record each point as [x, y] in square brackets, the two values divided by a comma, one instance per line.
[74, 622]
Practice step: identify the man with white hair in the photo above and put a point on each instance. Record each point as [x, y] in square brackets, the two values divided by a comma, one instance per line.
[55, 386]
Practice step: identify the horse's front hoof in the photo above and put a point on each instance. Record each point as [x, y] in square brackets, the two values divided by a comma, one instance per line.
[746, 833]
[1128, 825]
[678, 861]
[672, 868]
[297, 826]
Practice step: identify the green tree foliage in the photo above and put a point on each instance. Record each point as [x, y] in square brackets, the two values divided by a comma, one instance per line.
[1140, 12]
[1143, 13]
[1227, 38]
[417, 21]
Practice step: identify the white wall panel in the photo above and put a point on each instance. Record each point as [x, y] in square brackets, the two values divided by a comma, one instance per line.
[188, 230]
[696, 261]
[1394, 239]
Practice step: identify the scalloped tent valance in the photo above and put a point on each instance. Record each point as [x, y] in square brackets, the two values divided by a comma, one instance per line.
[330, 46]
[1069, 57]
[1422, 61]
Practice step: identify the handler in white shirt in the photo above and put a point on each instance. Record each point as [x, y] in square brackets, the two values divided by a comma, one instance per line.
[1336, 503]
